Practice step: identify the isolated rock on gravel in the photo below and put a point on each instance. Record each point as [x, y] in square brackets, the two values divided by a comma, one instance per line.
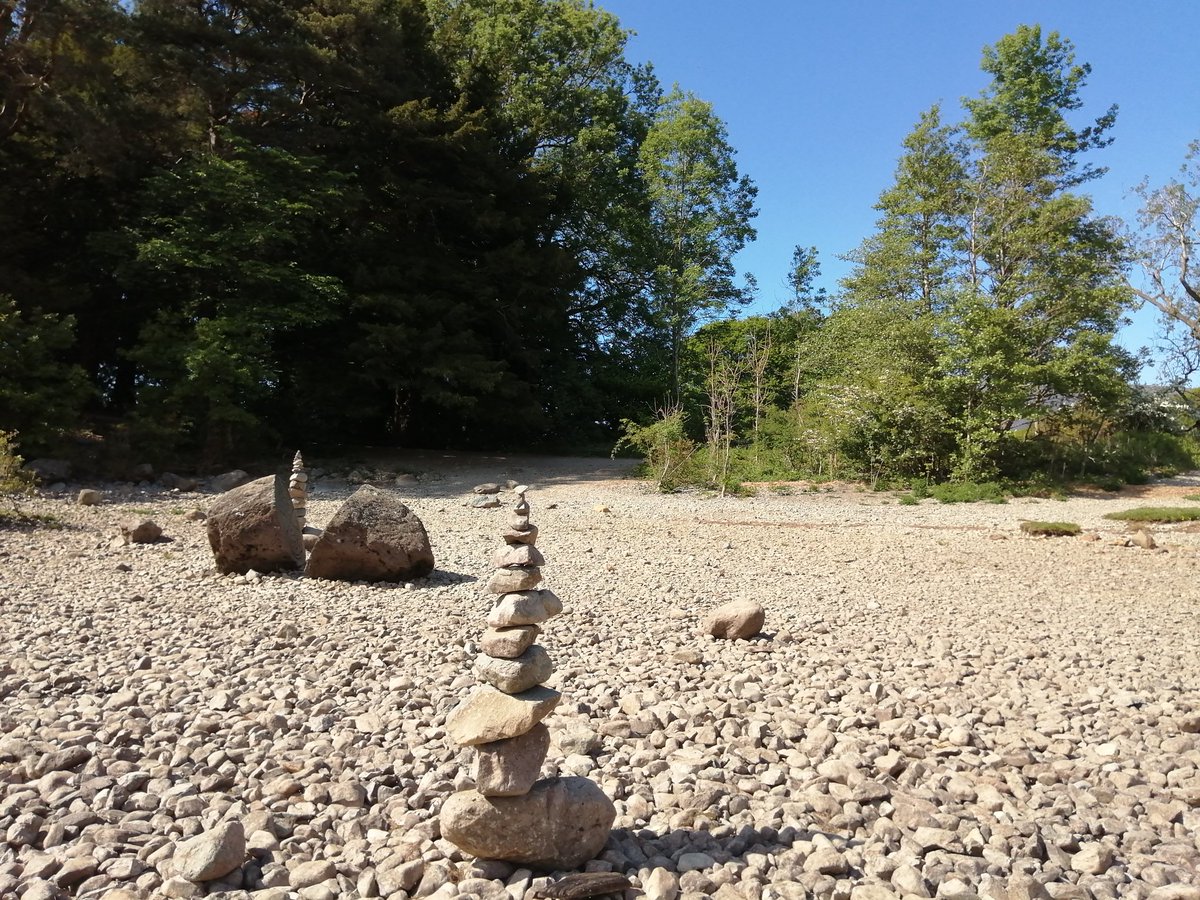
[560, 824]
[140, 531]
[49, 470]
[253, 527]
[1144, 539]
[173, 482]
[213, 854]
[89, 497]
[738, 619]
[372, 537]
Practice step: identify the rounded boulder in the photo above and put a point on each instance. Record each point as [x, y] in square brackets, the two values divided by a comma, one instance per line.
[738, 619]
[372, 537]
[560, 824]
[253, 527]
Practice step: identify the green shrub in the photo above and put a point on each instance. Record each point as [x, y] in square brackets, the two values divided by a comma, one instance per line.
[908, 500]
[13, 478]
[668, 454]
[1050, 529]
[969, 492]
[1156, 514]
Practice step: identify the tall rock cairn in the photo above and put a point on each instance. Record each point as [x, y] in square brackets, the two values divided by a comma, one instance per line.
[554, 823]
[298, 489]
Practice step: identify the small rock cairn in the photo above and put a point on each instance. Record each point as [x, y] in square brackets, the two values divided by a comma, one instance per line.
[298, 489]
[555, 823]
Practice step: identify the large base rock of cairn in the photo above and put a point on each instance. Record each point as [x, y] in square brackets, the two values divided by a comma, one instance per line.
[253, 527]
[560, 824]
[372, 537]
[556, 823]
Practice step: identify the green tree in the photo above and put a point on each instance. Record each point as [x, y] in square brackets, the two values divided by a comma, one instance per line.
[913, 252]
[41, 392]
[1042, 276]
[234, 240]
[701, 212]
[1035, 84]
[802, 277]
[983, 243]
[578, 111]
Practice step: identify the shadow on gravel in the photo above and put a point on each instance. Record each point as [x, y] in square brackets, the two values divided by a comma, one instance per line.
[15, 520]
[658, 849]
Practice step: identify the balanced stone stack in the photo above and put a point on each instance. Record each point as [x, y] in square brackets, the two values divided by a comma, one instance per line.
[554, 823]
[298, 489]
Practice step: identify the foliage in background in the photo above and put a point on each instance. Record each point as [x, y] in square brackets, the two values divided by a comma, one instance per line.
[13, 478]
[41, 391]
[667, 451]
[1161, 514]
[231, 227]
[700, 212]
[973, 342]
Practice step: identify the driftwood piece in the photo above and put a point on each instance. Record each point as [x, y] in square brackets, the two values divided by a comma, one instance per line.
[585, 884]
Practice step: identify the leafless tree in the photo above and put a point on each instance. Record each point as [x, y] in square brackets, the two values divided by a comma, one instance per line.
[1167, 248]
[724, 379]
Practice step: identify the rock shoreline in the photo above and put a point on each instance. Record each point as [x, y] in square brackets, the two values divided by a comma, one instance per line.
[930, 711]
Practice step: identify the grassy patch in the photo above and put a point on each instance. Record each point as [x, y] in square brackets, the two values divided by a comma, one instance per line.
[1156, 514]
[968, 492]
[1050, 529]
[21, 521]
[1192, 497]
[908, 500]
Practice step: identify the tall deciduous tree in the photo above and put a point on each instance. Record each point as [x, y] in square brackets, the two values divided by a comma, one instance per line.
[578, 111]
[1035, 84]
[701, 210]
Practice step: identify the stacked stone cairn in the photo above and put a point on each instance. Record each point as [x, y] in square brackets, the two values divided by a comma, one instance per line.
[555, 823]
[298, 489]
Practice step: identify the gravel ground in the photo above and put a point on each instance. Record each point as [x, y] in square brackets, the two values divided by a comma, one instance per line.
[939, 705]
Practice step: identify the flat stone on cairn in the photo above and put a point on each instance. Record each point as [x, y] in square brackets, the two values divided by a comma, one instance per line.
[555, 823]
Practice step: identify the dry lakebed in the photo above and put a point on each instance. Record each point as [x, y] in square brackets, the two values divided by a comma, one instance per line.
[938, 705]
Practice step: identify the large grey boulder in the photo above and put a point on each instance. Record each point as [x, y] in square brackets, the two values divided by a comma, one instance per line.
[560, 824]
[253, 527]
[372, 537]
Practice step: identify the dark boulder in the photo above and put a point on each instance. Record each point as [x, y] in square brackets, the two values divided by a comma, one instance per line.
[372, 537]
[253, 527]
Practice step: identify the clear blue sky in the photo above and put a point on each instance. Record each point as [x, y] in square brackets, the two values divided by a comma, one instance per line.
[817, 98]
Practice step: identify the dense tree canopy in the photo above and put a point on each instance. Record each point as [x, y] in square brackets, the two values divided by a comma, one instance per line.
[235, 225]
